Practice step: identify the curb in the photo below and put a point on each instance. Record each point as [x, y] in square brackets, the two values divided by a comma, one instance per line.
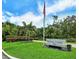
[9, 57]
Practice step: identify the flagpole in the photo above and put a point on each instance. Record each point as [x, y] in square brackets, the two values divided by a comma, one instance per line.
[44, 23]
[44, 28]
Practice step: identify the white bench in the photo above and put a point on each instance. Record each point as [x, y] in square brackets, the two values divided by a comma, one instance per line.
[57, 43]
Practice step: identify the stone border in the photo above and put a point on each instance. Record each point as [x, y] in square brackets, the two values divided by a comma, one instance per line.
[10, 57]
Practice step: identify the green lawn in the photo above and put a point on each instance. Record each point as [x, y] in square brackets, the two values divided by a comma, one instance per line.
[33, 50]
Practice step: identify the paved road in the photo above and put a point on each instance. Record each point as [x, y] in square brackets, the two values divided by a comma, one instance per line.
[4, 57]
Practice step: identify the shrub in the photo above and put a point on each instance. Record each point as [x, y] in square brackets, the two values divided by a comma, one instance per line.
[71, 40]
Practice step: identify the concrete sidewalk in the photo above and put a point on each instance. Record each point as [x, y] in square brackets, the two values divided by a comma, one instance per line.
[4, 56]
[7, 56]
[73, 45]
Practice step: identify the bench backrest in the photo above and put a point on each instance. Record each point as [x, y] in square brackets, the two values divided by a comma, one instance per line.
[56, 42]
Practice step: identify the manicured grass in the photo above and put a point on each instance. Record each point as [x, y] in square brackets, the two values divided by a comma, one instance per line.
[35, 50]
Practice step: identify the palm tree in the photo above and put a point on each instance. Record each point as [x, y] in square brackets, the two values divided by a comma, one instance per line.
[55, 18]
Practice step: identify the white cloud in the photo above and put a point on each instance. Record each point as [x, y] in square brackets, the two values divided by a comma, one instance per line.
[28, 17]
[6, 16]
[58, 6]
[9, 13]
[3, 19]
[37, 20]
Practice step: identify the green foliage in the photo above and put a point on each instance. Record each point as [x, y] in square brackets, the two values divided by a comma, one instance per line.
[8, 29]
[65, 29]
[71, 40]
[61, 29]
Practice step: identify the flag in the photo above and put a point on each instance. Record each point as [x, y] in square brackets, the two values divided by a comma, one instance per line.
[44, 11]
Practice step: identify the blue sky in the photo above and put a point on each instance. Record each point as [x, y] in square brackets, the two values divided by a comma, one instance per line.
[17, 11]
